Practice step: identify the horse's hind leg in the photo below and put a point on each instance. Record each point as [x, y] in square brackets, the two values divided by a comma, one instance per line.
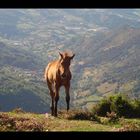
[56, 88]
[52, 97]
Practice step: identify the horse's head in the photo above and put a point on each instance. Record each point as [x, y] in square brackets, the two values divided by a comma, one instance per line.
[65, 60]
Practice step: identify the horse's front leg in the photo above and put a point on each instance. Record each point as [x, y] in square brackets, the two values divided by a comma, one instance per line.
[67, 88]
[56, 88]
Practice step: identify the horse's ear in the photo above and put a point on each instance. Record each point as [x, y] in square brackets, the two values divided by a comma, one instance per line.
[61, 55]
[72, 56]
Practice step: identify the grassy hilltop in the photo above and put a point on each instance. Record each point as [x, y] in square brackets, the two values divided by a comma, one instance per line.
[12, 121]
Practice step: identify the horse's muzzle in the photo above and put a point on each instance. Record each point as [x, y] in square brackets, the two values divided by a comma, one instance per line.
[63, 76]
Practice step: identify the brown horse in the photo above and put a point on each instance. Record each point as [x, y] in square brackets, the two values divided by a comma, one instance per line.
[57, 74]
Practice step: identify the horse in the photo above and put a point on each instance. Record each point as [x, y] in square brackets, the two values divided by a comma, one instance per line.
[57, 74]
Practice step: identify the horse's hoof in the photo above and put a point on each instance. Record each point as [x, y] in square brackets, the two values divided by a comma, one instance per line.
[55, 115]
[67, 109]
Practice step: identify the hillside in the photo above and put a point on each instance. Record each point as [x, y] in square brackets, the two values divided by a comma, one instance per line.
[105, 41]
[112, 66]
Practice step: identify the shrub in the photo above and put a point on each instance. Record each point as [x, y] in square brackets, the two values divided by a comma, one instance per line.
[130, 127]
[29, 125]
[136, 112]
[121, 106]
[18, 110]
[112, 117]
[80, 116]
[96, 118]
[102, 107]
[76, 115]
[6, 122]
[118, 104]
[9, 123]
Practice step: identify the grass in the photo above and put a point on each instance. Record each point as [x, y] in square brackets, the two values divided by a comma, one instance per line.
[26, 121]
